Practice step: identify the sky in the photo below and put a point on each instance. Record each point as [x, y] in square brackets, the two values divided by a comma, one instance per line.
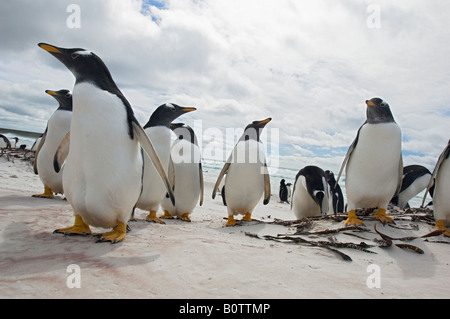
[309, 65]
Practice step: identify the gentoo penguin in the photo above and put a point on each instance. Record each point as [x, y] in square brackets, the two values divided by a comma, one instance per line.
[415, 180]
[247, 174]
[36, 143]
[101, 181]
[283, 192]
[14, 142]
[159, 132]
[310, 194]
[187, 173]
[374, 164]
[57, 127]
[288, 186]
[441, 195]
[336, 197]
[4, 142]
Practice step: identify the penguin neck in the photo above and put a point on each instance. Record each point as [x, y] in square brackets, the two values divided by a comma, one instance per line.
[378, 115]
[251, 134]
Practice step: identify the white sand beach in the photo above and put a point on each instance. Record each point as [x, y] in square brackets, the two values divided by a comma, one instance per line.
[205, 259]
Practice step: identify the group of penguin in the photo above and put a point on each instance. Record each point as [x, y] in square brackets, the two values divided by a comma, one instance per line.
[135, 166]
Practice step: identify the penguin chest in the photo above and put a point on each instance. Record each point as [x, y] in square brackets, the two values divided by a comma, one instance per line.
[373, 168]
[244, 183]
[302, 203]
[441, 196]
[153, 188]
[102, 176]
[58, 126]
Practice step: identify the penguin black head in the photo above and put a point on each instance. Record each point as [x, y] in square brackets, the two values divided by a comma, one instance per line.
[378, 111]
[85, 65]
[253, 130]
[64, 98]
[166, 113]
[184, 132]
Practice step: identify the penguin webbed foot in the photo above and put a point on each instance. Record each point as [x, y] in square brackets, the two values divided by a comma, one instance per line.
[167, 215]
[440, 225]
[353, 220]
[185, 217]
[381, 216]
[46, 194]
[116, 235]
[79, 228]
[153, 218]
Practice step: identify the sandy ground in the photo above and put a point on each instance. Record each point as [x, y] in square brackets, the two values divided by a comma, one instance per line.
[204, 259]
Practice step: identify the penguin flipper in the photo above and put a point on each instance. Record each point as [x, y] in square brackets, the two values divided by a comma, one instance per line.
[347, 156]
[400, 176]
[171, 173]
[41, 143]
[219, 179]
[147, 145]
[200, 172]
[266, 185]
[61, 153]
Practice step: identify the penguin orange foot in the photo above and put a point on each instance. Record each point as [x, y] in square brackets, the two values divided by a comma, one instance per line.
[167, 215]
[381, 216]
[152, 218]
[231, 221]
[353, 220]
[116, 235]
[47, 193]
[185, 217]
[440, 225]
[79, 228]
[247, 217]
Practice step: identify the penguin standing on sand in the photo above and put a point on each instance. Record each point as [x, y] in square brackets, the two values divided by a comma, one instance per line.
[336, 197]
[310, 194]
[159, 132]
[57, 127]
[441, 195]
[247, 174]
[4, 142]
[186, 171]
[415, 180]
[101, 181]
[283, 192]
[374, 164]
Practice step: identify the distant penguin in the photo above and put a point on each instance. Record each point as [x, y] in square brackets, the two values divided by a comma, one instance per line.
[14, 142]
[159, 132]
[415, 180]
[283, 192]
[374, 165]
[5, 143]
[36, 143]
[310, 195]
[247, 176]
[187, 173]
[101, 181]
[336, 197]
[288, 186]
[441, 195]
[57, 127]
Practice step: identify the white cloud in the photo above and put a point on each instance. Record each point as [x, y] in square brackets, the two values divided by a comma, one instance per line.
[309, 65]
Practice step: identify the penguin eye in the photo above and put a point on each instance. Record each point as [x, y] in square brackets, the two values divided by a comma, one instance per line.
[74, 55]
[68, 95]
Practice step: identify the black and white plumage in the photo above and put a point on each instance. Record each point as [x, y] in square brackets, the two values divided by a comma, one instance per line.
[283, 192]
[310, 194]
[440, 179]
[247, 176]
[159, 131]
[415, 180]
[57, 128]
[186, 172]
[336, 197]
[102, 181]
[374, 165]
[5, 143]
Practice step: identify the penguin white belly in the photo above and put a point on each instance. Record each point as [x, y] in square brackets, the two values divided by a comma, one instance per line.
[186, 159]
[102, 176]
[302, 203]
[373, 168]
[153, 189]
[441, 196]
[58, 127]
[244, 183]
[415, 188]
